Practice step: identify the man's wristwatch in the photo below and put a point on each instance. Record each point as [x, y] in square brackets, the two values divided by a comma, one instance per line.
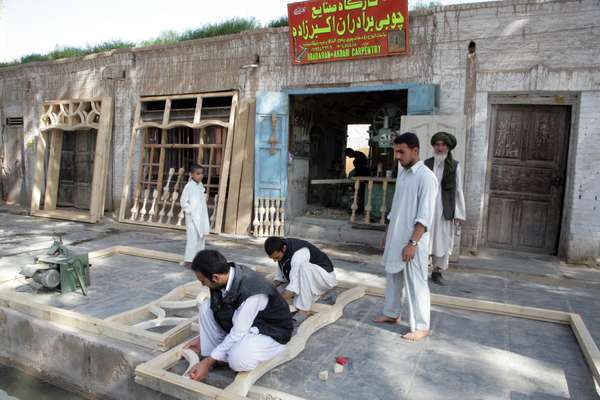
[413, 242]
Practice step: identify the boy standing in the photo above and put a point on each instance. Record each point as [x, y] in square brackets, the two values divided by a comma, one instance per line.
[197, 224]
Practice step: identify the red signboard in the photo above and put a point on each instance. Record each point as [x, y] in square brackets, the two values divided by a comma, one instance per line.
[347, 29]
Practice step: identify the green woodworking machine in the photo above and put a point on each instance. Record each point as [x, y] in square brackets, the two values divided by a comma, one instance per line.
[60, 269]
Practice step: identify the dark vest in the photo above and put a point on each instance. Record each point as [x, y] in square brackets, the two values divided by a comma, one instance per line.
[448, 195]
[274, 321]
[316, 256]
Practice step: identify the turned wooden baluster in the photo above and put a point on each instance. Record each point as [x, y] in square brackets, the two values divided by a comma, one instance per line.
[136, 202]
[277, 223]
[255, 223]
[282, 213]
[165, 197]
[383, 208]
[272, 217]
[175, 195]
[369, 206]
[354, 206]
[261, 217]
[143, 210]
[153, 207]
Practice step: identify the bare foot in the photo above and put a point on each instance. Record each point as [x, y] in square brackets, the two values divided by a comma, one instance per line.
[415, 336]
[383, 319]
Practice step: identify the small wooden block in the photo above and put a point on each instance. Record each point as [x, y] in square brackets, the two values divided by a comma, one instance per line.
[324, 375]
[338, 368]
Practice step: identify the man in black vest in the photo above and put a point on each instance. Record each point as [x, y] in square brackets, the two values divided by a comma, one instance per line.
[245, 322]
[307, 270]
[450, 202]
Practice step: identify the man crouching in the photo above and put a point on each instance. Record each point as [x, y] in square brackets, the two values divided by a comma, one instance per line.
[245, 322]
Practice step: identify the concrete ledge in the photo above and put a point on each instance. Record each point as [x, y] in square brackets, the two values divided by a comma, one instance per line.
[92, 366]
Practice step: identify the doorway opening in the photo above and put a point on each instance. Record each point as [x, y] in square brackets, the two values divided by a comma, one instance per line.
[322, 127]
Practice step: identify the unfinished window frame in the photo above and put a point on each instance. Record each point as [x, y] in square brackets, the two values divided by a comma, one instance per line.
[160, 198]
[59, 116]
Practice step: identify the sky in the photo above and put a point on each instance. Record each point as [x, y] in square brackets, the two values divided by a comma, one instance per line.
[39, 26]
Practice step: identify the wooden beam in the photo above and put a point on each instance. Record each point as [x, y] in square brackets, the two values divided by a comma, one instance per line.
[587, 344]
[128, 168]
[237, 160]
[36, 192]
[67, 215]
[101, 160]
[52, 176]
[244, 213]
[225, 167]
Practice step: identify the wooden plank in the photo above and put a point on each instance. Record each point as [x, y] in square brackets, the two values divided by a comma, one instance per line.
[66, 215]
[52, 175]
[177, 124]
[101, 159]
[128, 168]
[244, 380]
[153, 254]
[244, 213]
[237, 160]
[225, 167]
[189, 96]
[331, 181]
[36, 192]
[587, 344]
[22, 303]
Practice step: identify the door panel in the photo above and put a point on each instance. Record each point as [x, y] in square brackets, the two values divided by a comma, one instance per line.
[76, 169]
[528, 161]
[271, 173]
[12, 164]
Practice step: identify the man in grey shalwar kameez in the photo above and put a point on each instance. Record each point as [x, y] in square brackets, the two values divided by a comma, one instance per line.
[407, 239]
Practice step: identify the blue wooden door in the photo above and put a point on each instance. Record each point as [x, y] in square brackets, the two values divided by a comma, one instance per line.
[271, 172]
[423, 99]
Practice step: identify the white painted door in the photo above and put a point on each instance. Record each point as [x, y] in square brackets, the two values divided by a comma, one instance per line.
[425, 126]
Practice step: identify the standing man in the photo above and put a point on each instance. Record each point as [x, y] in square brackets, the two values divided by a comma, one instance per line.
[361, 168]
[245, 322]
[306, 269]
[407, 239]
[450, 202]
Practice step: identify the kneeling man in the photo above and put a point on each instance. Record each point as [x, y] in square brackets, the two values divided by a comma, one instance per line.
[307, 270]
[245, 322]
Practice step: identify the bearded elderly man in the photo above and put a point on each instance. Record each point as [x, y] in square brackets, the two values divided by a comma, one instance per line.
[449, 205]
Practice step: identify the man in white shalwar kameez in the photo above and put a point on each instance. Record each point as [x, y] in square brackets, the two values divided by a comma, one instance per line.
[245, 321]
[197, 223]
[450, 202]
[407, 240]
[307, 271]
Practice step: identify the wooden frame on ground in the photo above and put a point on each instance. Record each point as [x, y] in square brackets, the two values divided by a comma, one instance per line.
[22, 303]
[71, 115]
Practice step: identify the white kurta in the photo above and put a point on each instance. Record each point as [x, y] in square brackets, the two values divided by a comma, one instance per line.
[414, 201]
[197, 223]
[308, 281]
[243, 348]
[443, 230]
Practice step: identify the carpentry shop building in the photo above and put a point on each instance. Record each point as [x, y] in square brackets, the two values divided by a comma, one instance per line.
[268, 117]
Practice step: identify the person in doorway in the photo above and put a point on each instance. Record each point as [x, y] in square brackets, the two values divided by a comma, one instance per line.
[407, 240]
[197, 223]
[245, 321]
[361, 168]
[450, 202]
[307, 271]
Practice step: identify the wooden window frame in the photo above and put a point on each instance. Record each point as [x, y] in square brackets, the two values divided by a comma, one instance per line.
[58, 117]
[141, 126]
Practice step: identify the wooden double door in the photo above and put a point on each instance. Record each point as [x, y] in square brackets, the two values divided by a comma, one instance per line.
[527, 179]
[76, 169]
